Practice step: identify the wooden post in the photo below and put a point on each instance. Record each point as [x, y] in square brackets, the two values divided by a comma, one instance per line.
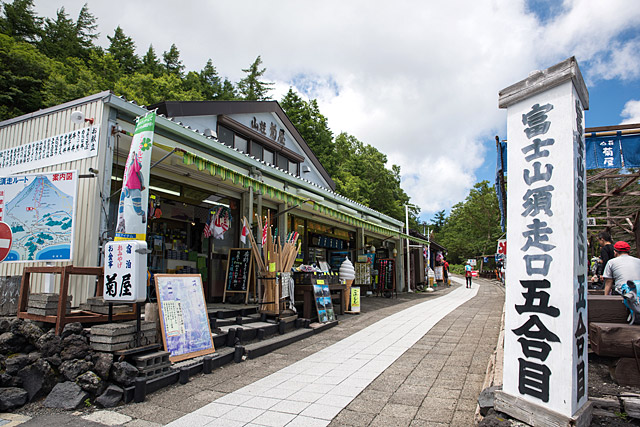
[545, 345]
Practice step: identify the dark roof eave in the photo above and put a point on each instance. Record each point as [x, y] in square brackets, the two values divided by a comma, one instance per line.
[214, 108]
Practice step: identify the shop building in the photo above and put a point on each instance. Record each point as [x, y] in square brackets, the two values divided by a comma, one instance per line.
[243, 158]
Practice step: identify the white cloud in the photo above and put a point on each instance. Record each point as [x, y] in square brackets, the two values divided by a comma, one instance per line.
[418, 80]
[631, 112]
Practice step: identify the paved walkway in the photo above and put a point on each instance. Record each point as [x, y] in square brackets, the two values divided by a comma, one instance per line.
[378, 368]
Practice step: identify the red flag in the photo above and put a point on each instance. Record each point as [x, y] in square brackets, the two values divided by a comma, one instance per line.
[264, 234]
[245, 232]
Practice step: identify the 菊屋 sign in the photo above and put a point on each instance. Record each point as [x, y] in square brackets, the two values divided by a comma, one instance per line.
[125, 271]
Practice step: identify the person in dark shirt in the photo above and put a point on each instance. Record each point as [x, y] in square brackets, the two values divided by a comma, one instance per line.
[606, 253]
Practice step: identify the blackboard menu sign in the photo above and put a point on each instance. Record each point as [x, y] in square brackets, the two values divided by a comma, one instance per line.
[386, 274]
[239, 266]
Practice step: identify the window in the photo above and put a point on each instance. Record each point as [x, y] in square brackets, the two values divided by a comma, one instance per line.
[293, 167]
[256, 150]
[268, 156]
[283, 162]
[240, 143]
[225, 136]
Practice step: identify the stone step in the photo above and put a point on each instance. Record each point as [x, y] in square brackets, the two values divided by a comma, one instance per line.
[261, 348]
[121, 328]
[106, 339]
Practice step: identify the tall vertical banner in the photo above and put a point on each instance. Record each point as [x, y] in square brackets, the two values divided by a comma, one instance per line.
[545, 345]
[134, 198]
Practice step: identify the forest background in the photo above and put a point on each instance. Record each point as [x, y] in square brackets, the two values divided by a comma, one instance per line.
[46, 62]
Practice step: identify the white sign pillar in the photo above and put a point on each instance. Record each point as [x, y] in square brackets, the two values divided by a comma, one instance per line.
[545, 346]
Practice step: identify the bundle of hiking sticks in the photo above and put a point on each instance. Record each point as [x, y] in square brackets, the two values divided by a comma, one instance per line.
[272, 257]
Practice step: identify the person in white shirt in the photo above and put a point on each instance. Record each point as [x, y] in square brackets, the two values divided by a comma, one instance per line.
[620, 269]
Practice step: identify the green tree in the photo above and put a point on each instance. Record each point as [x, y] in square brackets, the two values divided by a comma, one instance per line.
[20, 21]
[228, 92]
[105, 67]
[211, 85]
[86, 26]
[151, 63]
[439, 220]
[23, 72]
[146, 89]
[58, 40]
[63, 38]
[172, 62]
[251, 88]
[473, 227]
[123, 50]
[70, 80]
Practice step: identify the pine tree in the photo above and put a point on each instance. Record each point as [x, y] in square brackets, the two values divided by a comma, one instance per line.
[211, 84]
[250, 87]
[172, 61]
[85, 31]
[151, 64]
[123, 50]
[20, 21]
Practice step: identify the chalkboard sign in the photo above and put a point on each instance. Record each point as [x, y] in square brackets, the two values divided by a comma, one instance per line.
[183, 315]
[239, 269]
[386, 275]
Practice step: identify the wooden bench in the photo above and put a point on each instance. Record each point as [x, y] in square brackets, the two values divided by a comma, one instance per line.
[606, 309]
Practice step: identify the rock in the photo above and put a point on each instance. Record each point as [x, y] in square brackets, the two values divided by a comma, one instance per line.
[72, 369]
[74, 347]
[12, 397]
[14, 325]
[11, 343]
[102, 364]
[485, 399]
[7, 380]
[67, 395]
[71, 329]
[30, 331]
[123, 373]
[49, 344]
[37, 379]
[15, 362]
[111, 396]
[5, 324]
[90, 382]
[495, 419]
[54, 360]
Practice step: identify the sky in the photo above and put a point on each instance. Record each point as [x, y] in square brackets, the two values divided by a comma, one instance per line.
[418, 80]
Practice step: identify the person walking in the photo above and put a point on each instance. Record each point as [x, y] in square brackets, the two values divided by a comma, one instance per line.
[445, 270]
[467, 273]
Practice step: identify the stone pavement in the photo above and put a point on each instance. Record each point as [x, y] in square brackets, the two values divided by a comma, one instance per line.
[432, 379]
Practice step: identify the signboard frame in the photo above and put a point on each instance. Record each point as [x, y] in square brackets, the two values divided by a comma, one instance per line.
[161, 280]
[249, 276]
[51, 177]
[324, 305]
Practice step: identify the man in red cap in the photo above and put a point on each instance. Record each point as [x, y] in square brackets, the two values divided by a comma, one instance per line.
[620, 269]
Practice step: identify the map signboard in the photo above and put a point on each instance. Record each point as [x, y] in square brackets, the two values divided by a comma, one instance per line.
[183, 314]
[40, 209]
